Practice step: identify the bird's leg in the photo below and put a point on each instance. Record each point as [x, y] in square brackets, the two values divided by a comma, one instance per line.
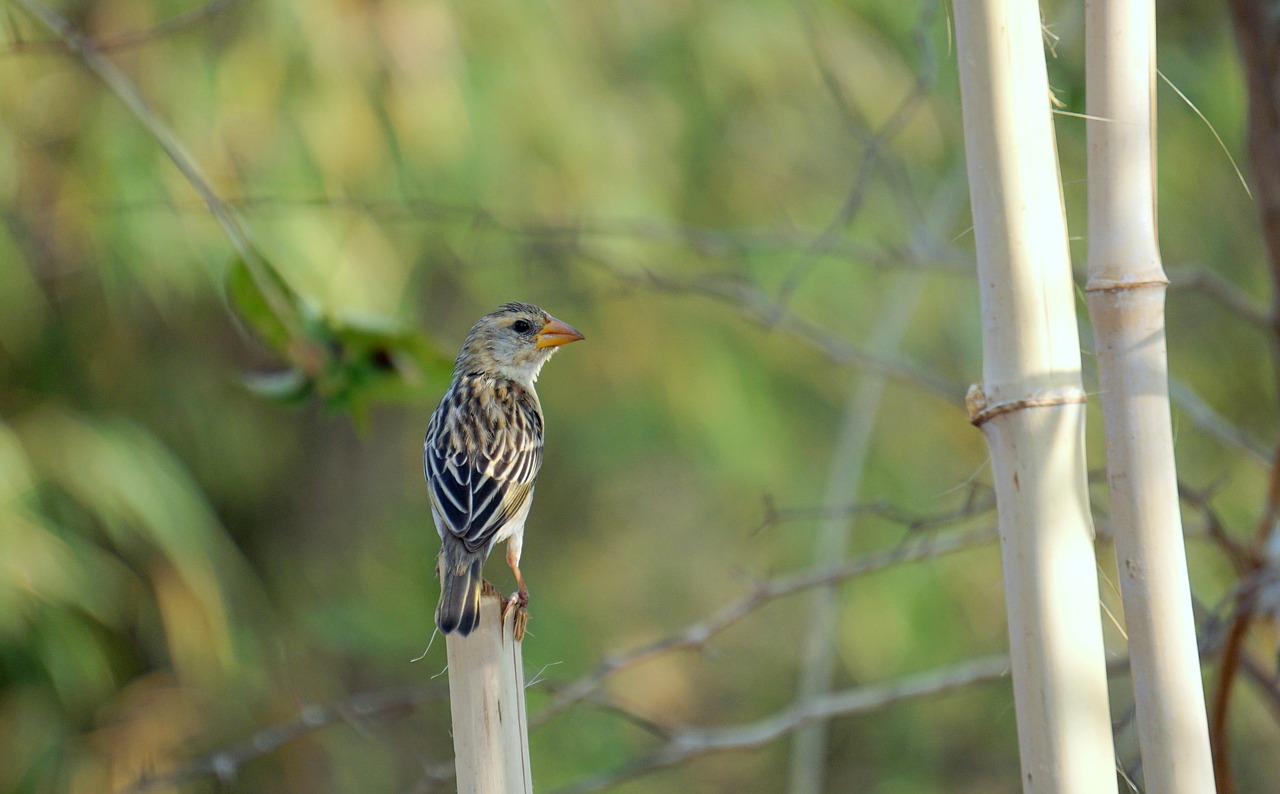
[521, 595]
[520, 598]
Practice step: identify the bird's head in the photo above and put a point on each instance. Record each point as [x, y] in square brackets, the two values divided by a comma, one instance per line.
[513, 342]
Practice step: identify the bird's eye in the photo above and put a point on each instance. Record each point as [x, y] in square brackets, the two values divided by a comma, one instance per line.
[521, 326]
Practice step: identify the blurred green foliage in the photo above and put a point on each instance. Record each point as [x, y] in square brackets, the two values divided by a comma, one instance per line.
[212, 517]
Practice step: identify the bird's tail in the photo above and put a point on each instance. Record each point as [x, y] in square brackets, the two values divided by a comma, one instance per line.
[459, 607]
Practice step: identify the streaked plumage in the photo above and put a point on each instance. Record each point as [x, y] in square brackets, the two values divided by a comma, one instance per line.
[483, 450]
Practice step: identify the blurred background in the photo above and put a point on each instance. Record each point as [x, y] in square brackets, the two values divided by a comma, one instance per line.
[213, 525]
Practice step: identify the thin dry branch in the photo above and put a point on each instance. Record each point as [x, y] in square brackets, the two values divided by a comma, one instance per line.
[1193, 407]
[686, 745]
[574, 232]
[857, 700]
[677, 746]
[1241, 555]
[1258, 34]
[767, 313]
[980, 501]
[877, 142]
[1235, 300]
[1246, 607]
[128, 93]
[851, 449]
[698, 634]
[1265, 680]
[360, 709]
[132, 38]
[1257, 29]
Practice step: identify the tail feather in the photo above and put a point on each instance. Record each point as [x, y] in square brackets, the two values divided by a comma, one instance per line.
[459, 607]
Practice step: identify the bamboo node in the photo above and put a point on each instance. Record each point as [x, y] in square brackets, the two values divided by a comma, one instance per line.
[981, 410]
[1104, 284]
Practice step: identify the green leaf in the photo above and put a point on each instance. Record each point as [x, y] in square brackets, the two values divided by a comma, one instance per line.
[351, 362]
[374, 360]
[246, 296]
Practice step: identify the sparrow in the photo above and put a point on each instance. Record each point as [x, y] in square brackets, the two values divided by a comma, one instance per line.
[483, 450]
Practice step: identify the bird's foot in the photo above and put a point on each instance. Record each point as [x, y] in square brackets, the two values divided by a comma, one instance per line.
[519, 601]
[518, 598]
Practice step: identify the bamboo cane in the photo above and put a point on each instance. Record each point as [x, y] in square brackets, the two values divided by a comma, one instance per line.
[486, 697]
[1126, 291]
[1030, 404]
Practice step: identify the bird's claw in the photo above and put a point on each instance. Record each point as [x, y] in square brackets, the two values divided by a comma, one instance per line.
[519, 601]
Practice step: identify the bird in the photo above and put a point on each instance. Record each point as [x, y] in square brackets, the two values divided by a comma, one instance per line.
[483, 451]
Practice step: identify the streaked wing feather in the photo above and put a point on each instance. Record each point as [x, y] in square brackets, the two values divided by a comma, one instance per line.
[477, 488]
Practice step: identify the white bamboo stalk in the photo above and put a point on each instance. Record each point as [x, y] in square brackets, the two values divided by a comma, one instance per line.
[486, 696]
[1126, 291]
[1030, 405]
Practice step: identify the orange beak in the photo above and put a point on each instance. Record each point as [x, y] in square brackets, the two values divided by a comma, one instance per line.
[556, 333]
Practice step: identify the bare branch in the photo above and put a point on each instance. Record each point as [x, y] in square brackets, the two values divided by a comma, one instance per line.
[376, 706]
[852, 446]
[978, 504]
[876, 144]
[704, 241]
[1235, 300]
[699, 634]
[1265, 680]
[857, 700]
[133, 38]
[1215, 424]
[1242, 557]
[754, 305]
[1257, 30]
[359, 709]
[689, 744]
[128, 93]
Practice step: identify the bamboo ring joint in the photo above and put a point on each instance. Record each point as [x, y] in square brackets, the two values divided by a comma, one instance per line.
[981, 411]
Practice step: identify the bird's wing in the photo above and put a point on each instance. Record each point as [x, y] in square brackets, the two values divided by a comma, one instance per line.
[481, 473]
